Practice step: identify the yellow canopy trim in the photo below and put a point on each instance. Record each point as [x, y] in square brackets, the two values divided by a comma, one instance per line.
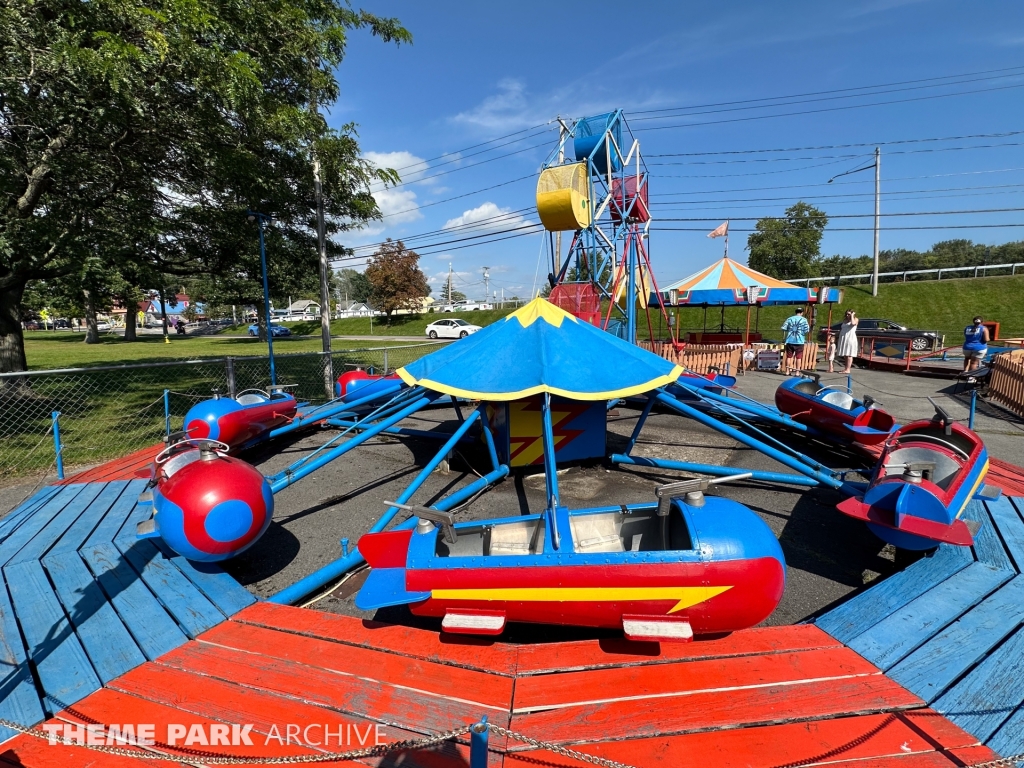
[540, 309]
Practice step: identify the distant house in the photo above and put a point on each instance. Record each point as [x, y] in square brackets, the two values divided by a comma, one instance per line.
[304, 309]
[353, 309]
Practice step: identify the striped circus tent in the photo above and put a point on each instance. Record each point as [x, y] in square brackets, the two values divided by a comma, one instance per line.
[729, 283]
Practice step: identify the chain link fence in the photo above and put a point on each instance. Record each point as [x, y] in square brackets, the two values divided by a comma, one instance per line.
[110, 411]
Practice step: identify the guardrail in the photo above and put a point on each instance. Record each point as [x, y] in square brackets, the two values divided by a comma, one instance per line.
[981, 268]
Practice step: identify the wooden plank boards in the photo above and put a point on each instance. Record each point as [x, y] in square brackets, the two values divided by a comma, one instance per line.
[990, 693]
[594, 654]
[466, 651]
[987, 546]
[903, 630]
[857, 615]
[131, 467]
[1011, 528]
[219, 587]
[64, 670]
[687, 677]
[858, 738]
[19, 701]
[934, 666]
[37, 521]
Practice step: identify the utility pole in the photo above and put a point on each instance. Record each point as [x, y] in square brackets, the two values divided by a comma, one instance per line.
[448, 298]
[878, 214]
[563, 130]
[487, 284]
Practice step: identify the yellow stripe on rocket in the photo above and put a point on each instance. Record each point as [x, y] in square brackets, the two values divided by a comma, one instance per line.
[685, 596]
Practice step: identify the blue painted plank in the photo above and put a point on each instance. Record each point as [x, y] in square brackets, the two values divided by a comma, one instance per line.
[53, 648]
[16, 516]
[111, 524]
[860, 613]
[899, 633]
[983, 700]
[37, 521]
[1011, 528]
[224, 592]
[77, 534]
[40, 544]
[934, 666]
[153, 629]
[179, 596]
[987, 546]
[108, 643]
[128, 532]
[19, 699]
[1009, 739]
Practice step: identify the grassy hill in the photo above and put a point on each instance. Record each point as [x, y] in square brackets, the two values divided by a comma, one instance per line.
[946, 306]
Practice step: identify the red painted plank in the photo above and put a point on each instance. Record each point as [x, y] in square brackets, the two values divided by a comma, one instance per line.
[198, 696]
[922, 760]
[619, 651]
[468, 685]
[686, 677]
[940, 730]
[810, 743]
[22, 751]
[130, 467]
[346, 693]
[717, 710]
[461, 650]
[974, 755]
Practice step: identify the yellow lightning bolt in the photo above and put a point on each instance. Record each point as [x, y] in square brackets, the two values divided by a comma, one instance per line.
[685, 596]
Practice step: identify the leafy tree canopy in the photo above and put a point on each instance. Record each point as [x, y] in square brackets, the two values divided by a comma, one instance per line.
[146, 128]
[787, 247]
[350, 285]
[396, 280]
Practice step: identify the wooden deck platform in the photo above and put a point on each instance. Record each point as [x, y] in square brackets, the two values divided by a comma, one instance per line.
[763, 697]
[84, 601]
[950, 628]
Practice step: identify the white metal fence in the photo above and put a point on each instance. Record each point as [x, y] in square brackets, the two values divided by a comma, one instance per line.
[977, 271]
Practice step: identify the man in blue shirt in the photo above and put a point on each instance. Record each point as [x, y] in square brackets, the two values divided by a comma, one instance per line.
[796, 328]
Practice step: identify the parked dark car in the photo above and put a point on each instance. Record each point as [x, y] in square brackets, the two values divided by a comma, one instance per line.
[31, 325]
[920, 341]
[61, 323]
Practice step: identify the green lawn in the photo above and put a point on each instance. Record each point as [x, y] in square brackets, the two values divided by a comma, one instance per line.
[400, 325]
[946, 306]
[47, 349]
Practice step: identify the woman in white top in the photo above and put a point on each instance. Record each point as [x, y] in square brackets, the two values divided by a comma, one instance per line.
[847, 344]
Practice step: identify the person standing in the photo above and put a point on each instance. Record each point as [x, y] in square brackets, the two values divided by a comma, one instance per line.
[796, 328]
[830, 349]
[975, 344]
[847, 344]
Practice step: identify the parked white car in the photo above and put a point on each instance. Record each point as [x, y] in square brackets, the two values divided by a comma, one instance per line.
[463, 306]
[451, 329]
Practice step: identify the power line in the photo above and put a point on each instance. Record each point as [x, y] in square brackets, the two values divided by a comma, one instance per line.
[863, 198]
[459, 197]
[842, 146]
[829, 109]
[856, 194]
[462, 167]
[834, 184]
[856, 229]
[474, 146]
[481, 223]
[789, 101]
[831, 91]
[840, 157]
[861, 215]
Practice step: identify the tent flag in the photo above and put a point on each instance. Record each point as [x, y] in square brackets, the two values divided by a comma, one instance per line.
[721, 231]
[540, 348]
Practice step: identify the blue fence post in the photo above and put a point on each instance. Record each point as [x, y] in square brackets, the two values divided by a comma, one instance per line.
[974, 404]
[849, 383]
[167, 413]
[55, 415]
[478, 744]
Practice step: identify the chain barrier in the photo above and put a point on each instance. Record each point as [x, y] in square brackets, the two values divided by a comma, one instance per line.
[378, 750]
[107, 411]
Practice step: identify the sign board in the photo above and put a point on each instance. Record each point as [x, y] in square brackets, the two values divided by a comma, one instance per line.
[893, 350]
[769, 359]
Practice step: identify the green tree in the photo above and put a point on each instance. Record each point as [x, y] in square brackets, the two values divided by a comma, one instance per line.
[162, 121]
[351, 285]
[788, 247]
[396, 278]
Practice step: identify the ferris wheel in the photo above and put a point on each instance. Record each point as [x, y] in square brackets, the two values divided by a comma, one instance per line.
[594, 185]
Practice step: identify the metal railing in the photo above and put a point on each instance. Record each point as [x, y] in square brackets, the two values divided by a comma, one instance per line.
[107, 411]
[976, 271]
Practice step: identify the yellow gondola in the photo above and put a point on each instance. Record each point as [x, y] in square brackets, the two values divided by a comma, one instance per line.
[563, 199]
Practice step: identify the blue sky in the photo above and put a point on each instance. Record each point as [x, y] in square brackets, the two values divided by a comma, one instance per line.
[477, 71]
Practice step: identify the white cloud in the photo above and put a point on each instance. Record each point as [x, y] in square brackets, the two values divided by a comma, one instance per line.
[409, 166]
[485, 217]
[397, 206]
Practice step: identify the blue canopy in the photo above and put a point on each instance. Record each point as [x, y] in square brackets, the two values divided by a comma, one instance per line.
[540, 348]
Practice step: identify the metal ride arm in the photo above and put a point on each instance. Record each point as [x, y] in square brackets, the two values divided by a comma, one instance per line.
[431, 516]
[332, 409]
[692, 492]
[307, 466]
[550, 472]
[752, 407]
[336, 569]
[811, 476]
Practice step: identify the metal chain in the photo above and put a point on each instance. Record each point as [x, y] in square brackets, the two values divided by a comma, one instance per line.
[334, 757]
[563, 751]
[375, 751]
